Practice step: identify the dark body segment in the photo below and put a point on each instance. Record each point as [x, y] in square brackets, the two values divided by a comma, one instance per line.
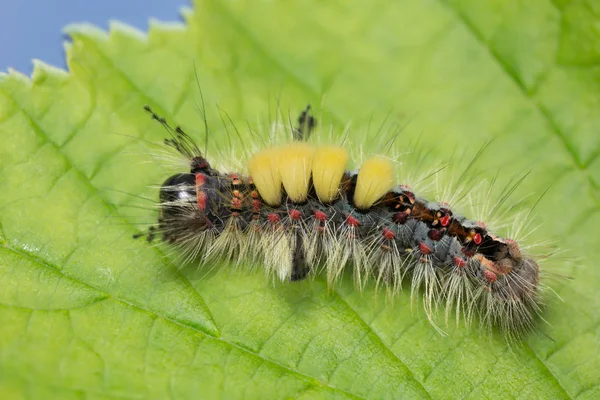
[423, 231]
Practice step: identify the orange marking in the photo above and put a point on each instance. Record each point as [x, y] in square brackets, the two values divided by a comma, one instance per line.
[201, 196]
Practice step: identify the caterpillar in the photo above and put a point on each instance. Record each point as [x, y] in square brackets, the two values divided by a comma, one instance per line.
[299, 212]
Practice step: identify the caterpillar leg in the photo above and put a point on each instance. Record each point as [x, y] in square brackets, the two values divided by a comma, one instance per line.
[300, 267]
[150, 235]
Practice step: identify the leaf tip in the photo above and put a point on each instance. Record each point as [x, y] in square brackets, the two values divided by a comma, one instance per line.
[84, 29]
[121, 28]
[41, 70]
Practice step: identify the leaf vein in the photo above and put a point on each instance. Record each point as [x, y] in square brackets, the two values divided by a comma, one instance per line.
[554, 128]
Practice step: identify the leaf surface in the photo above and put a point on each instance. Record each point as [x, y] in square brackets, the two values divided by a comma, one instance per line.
[87, 311]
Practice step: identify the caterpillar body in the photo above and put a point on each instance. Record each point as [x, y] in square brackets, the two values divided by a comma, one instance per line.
[299, 212]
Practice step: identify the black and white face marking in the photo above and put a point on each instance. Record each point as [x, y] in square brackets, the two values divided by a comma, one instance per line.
[178, 188]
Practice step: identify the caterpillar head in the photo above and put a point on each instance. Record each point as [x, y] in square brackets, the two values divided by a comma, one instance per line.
[179, 214]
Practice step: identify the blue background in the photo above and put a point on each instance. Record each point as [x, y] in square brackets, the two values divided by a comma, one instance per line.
[34, 28]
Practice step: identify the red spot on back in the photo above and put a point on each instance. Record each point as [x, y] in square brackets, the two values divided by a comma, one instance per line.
[350, 220]
[435, 234]
[477, 238]
[255, 206]
[490, 276]
[235, 179]
[400, 217]
[273, 218]
[445, 220]
[295, 214]
[468, 253]
[388, 234]
[424, 249]
[459, 262]
[320, 216]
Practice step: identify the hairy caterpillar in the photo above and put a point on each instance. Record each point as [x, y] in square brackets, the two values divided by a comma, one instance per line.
[298, 211]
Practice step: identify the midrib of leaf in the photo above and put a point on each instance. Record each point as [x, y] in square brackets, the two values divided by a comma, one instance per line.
[543, 362]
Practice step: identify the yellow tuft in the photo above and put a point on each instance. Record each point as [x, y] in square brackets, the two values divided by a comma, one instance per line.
[375, 178]
[295, 164]
[328, 167]
[264, 171]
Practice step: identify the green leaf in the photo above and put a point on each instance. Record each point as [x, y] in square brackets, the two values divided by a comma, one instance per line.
[86, 311]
